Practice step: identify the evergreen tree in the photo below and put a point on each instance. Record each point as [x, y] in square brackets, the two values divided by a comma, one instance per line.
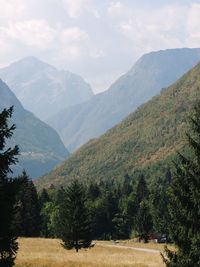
[8, 190]
[143, 221]
[43, 198]
[45, 213]
[126, 186]
[160, 200]
[142, 191]
[28, 209]
[93, 191]
[50, 220]
[75, 222]
[184, 205]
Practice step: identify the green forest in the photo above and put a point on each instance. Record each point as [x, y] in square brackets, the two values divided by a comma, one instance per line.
[168, 211]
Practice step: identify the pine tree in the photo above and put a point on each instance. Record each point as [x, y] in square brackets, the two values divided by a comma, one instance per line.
[45, 213]
[8, 189]
[75, 223]
[43, 198]
[28, 219]
[142, 191]
[126, 186]
[160, 200]
[143, 221]
[184, 206]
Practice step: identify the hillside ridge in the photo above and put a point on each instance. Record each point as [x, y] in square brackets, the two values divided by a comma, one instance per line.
[151, 134]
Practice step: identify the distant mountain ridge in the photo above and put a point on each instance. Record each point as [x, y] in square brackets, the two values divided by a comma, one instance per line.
[149, 75]
[40, 146]
[147, 137]
[42, 88]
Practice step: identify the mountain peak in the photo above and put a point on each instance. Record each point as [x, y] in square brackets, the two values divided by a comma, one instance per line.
[30, 63]
[42, 88]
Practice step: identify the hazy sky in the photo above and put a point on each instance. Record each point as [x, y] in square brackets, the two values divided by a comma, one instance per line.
[97, 39]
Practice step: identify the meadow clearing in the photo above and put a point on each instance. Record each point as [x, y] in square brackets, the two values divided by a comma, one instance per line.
[39, 252]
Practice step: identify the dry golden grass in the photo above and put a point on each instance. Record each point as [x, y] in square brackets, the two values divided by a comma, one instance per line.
[38, 252]
[150, 245]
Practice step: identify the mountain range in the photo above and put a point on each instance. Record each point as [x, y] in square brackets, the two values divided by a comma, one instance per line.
[151, 73]
[147, 138]
[43, 89]
[40, 146]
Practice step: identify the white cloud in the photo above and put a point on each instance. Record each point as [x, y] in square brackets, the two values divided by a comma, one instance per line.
[73, 42]
[97, 53]
[73, 34]
[10, 9]
[154, 29]
[74, 7]
[71, 52]
[116, 9]
[36, 33]
[107, 36]
[193, 26]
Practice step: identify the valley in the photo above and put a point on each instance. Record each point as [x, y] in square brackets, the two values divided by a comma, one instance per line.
[99, 133]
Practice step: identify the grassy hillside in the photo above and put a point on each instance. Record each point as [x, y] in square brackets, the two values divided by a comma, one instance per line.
[148, 136]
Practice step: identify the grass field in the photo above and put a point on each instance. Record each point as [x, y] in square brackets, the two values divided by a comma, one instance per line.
[38, 252]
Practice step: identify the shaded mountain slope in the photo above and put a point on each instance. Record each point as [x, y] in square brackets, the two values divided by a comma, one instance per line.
[148, 76]
[40, 146]
[154, 132]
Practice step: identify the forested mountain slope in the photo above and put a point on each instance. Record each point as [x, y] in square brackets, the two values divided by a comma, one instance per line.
[148, 76]
[154, 132]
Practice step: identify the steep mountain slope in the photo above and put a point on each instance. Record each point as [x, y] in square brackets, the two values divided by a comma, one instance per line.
[43, 89]
[149, 75]
[149, 135]
[40, 146]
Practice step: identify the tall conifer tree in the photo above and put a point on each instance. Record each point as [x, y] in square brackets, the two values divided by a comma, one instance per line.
[8, 189]
[28, 209]
[184, 206]
[75, 223]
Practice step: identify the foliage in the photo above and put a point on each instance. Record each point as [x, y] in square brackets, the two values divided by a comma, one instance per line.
[142, 217]
[28, 210]
[8, 190]
[49, 215]
[159, 204]
[116, 210]
[75, 222]
[184, 204]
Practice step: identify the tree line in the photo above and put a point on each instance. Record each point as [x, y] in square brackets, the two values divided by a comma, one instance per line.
[167, 210]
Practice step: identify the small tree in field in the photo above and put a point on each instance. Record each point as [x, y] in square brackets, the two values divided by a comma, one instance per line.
[8, 190]
[184, 205]
[74, 218]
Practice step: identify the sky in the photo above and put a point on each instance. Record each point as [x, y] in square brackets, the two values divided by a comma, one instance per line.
[98, 39]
